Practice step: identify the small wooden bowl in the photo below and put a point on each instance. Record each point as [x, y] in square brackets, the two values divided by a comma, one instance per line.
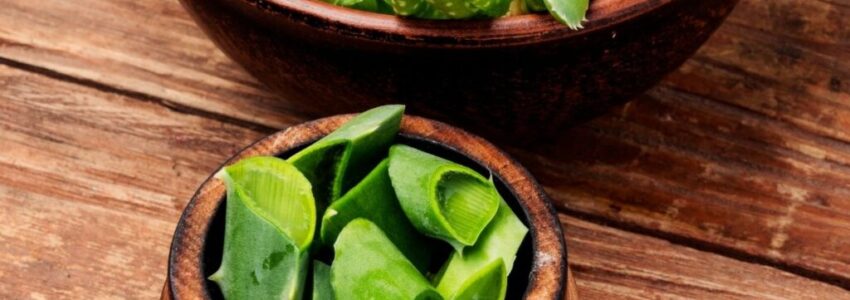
[523, 77]
[540, 271]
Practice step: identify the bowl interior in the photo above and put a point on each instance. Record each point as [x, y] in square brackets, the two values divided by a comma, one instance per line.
[517, 281]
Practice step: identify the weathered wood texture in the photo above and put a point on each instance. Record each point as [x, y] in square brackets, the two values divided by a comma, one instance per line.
[744, 152]
[745, 149]
[86, 216]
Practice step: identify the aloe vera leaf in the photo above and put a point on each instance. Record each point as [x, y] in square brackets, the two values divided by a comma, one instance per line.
[374, 199]
[367, 5]
[322, 289]
[455, 9]
[491, 282]
[368, 266]
[499, 242]
[535, 5]
[407, 7]
[441, 198]
[431, 13]
[269, 226]
[570, 12]
[491, 8]
[338, 161]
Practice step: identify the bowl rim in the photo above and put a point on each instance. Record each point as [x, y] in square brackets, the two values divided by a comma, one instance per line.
[513, 30]
[547, 280]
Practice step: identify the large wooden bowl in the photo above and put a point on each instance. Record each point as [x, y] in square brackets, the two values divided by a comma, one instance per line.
[517, 77]
[540, 271]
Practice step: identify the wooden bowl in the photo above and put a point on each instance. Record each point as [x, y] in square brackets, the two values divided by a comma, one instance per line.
[522, 77]
[540, 271]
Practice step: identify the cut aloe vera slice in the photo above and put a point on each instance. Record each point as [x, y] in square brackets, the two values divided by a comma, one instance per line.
[535, 5]
[338, 161]
[407, 7]
[431, 13]
[455, 9]
[269, 226]
[491, 282]
[322, 289]
[463, 274]
[368, 266]
[442, 199]
[492, 8]
[570, 12]
[374, 199]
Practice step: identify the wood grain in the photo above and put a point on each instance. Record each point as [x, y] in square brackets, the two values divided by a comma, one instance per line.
[92, 186]
[743, 152]
[614, 264]
[77, 238]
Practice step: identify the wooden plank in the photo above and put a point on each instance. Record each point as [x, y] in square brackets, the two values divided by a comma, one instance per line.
[744, 149]
[92, 187]
[94, 183]
[613, 264]
[150, 48]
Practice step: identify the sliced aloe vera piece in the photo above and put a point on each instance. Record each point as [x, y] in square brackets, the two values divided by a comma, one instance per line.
[407, 7]
[368, 266]
[455, 9]
[374, 199]
[442, 199]
[322, 289]
[491, 8]
[431, 13]
[338, 161]
[491, 282]
[570, 12]
[462, 274]
[368, 5]
[269, 226]
[535, 5]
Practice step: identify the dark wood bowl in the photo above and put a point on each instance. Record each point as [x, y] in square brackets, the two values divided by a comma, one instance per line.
[516, 77]
[540, 271]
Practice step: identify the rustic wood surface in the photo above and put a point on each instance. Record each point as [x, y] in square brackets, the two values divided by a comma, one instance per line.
[731, 179]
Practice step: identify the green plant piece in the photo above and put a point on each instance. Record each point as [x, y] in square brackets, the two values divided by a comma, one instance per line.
[441, 198]
[431, 13]
[322, 289]
[491, 282]
[378, 6]
[570, 12]
[407, 7]
[455, 9]
[492, 8]
[368, 266]
[269, 226]
[535, 5]
[374, 199]
[463, 274]
[338, 161]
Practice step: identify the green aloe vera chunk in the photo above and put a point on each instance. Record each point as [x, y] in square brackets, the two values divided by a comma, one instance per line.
[338, 161]
[455, 9]
[462, 274]
[535, 5]
[269, 226]
[492, 8]
[374, 199]
[407, 7]
[491, 282]
[367, 5]
[570, 12]
[441, 198]
[322, 289]
[368, 266]
[431, 13]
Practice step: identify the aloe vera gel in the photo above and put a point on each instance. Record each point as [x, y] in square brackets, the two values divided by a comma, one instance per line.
[355, 216]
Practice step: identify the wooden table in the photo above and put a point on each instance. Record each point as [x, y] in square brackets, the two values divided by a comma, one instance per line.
[731, 179]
